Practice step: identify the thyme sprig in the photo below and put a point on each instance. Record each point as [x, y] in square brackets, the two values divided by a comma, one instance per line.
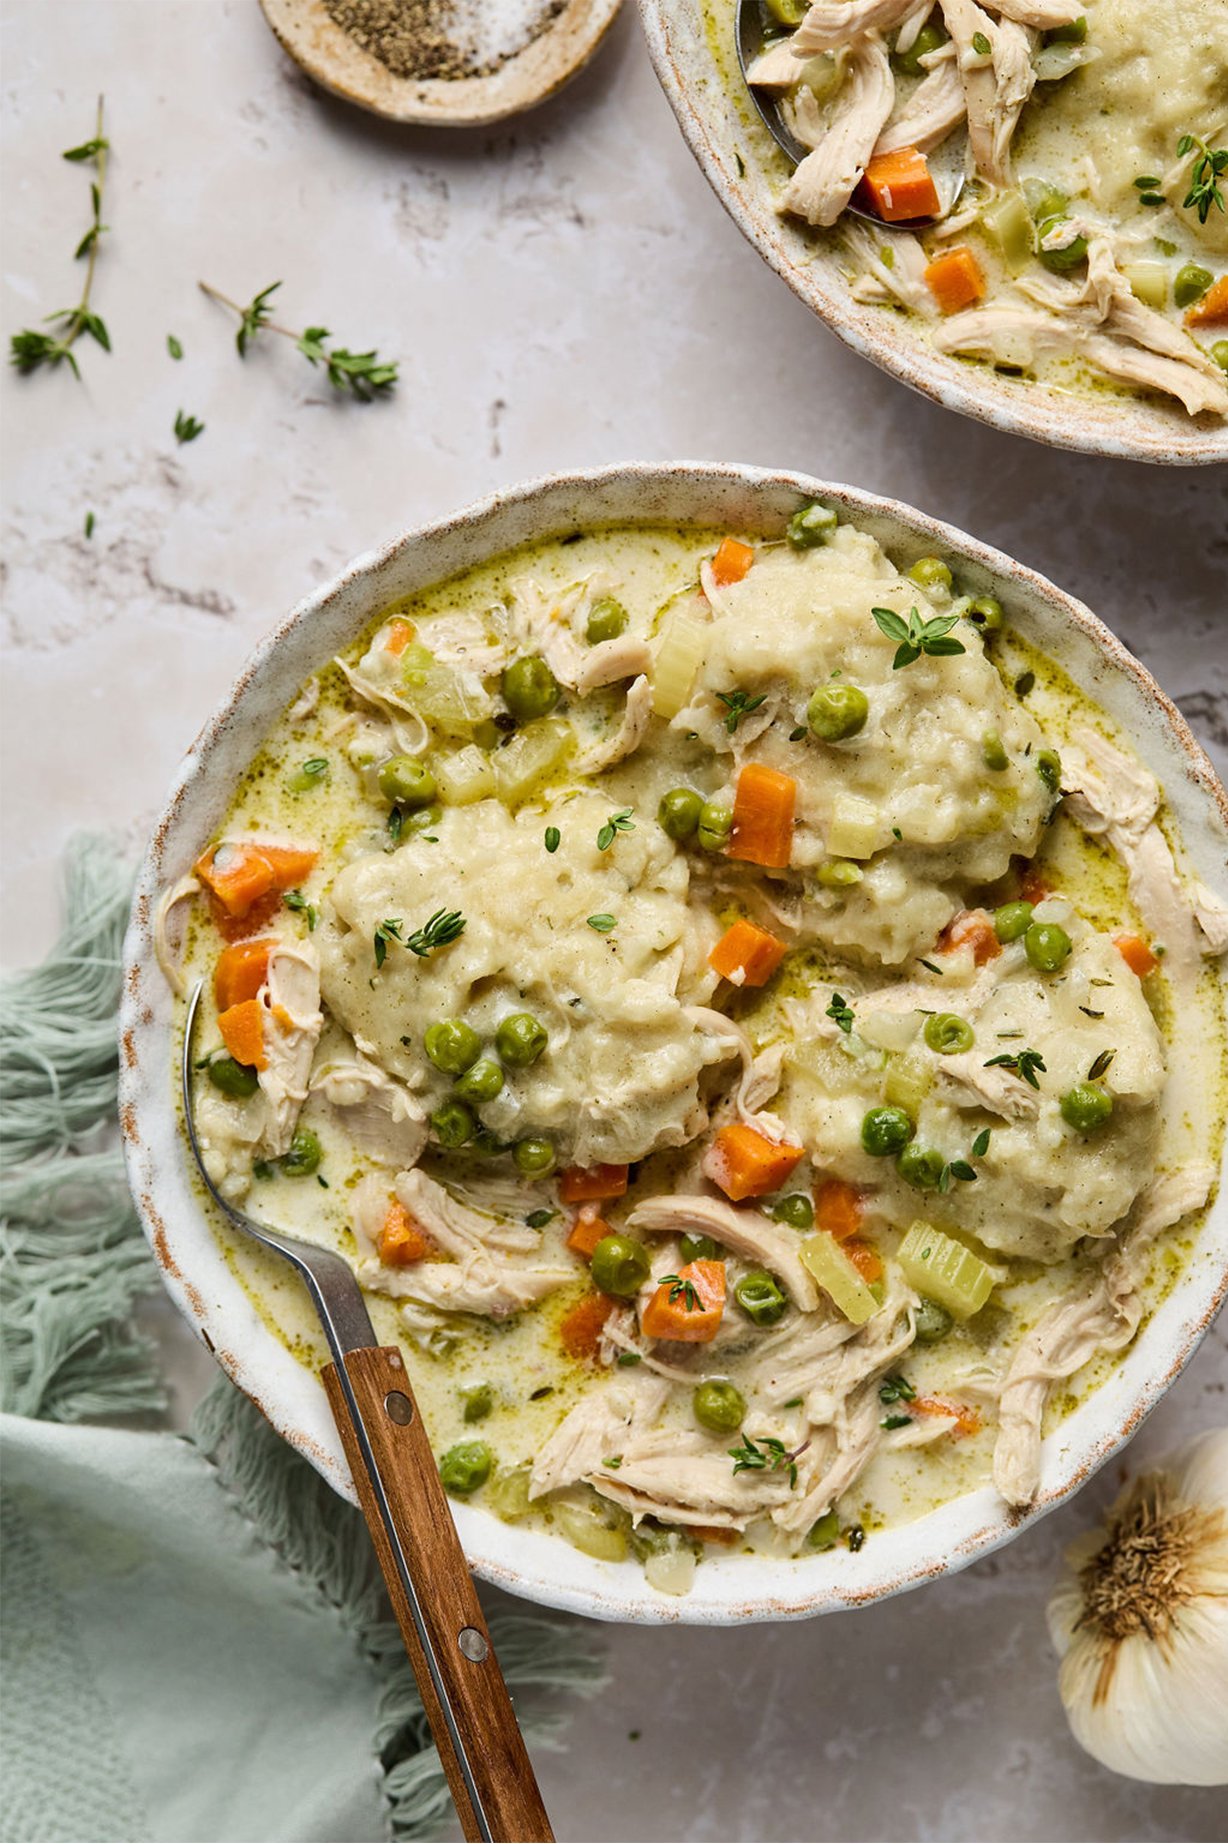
[915, 636]
[33, 347]
[841, 1012]
[362, 375]
[739, 704]
[187, 428]
[1021, 1063]
[1205, 174]
[617, 822]
[769, 1456]
[681, 1288]
[446, 925]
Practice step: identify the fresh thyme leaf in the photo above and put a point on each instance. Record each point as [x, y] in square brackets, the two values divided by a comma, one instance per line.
[1147, 182]
[89, 524]
[895, 1421]
[617, 822]
[841, 1012]
[363, 374]
[769, 1456]
[388, 930]
[1205, 174]
[980, 1146]
[794, 1402]
[1089, 1013]
[959, 1168]
[396, 825]
[917, 636]
[627, 1359]
[981, 45]
[553, 838]
[603, 924]
[252, 317]
[795, 736]
[294, 899]
[896, 1389]
[933, 969]
[614, 1463]
[186, 427]
[315, 769]
[1025, 683]
[445, 926]
[31, 347]
[173, 346]
[677, 1285]
[1100, 1066]
[1021, 1063]
[739, 705]
[537, 1219]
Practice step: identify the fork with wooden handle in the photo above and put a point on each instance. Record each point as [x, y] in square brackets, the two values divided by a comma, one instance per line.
[407, 1513]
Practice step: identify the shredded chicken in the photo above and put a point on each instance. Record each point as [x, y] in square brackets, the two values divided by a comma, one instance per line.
[777, 68]
[935, 108]
[542, 623]
[826, 179]
[379, 1114]
[167, 958]
[595, 1430]
[995, 88]
[628, 736]
[625, 657]
[903, 281]
[306, 701]
[1043, 15]
[970, 1084]
[746, 1231]
[291, 1024]
[831, 23]
[411, 733]
[1101, 1315]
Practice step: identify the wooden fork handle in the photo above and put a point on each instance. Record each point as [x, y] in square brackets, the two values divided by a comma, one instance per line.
[434, 1599]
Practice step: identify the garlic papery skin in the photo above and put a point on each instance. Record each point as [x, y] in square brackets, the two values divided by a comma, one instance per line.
[1140, 1622]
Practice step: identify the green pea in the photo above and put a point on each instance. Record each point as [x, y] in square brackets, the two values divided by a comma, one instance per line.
[1045, 200]
[465, 1467]
[1012, 921]
[454, 1124]
[422, 819]
[931, 573]
[478, 1399]
[1068, 257]
[788, 12]
[233, 1079]
[607, 619]
[986, 612]
[304, 1155]
[1190, 284]
[1049, 768]
[1219, 352]
[529, 688]
[885, 1131]
[948, 1033]
[452, 1045]
[698, 1248]
[620, 1266]
[813, 524]
[715, 825]
[407, 781]
[931, 1321]
[759, 1297]
[534, 1156]
[796, 1210]
[921, 1167]
[520, 1039]
[1086, 1107]
[839, 873]
[679, 811]
[993, 752]
[837, 711]
[929, 38]
[1074, 32]
[482, 1081]
[487, 734]
[719, 1406]
[1047, 946]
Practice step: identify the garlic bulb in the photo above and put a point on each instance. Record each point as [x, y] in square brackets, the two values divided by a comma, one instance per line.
[1141, 1624]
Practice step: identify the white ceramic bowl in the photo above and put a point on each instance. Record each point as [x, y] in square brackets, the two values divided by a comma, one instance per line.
[529, 1562]
[745, 170]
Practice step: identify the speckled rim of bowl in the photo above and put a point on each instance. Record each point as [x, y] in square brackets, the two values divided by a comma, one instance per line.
[720, 130]
[306, 32]
[535, 1564]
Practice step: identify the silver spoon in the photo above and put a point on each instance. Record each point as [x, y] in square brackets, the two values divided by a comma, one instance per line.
[751, 43]
[407, 1512]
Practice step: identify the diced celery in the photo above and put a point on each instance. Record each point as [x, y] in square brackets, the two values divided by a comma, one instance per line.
[1009, 223]
[465, 777]
[673, 1571]
[836, 1275]
[680, 653]
[855, 827]
[822, 75]
[507, 1495]
[596, 1528]
[439, 693]
[533, 754]
[907, 1082]
[1148, 282]
[940, 1267]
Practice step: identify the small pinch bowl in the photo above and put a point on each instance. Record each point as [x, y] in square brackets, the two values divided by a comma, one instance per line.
[534, 1563]
[722, 130]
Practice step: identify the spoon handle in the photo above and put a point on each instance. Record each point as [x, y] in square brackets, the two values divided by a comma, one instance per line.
[434, 1599]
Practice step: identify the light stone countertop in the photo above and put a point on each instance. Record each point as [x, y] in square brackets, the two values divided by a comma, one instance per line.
[561, 291]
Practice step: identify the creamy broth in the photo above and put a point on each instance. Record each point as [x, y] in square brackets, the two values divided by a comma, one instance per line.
[652, 1216]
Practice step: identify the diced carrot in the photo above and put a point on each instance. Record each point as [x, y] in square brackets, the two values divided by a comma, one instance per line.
[1032, 886]
[580, 1329]
[972, 928]
[745, 1163]
[586, 1233]
[746, 954]
[838, 1208]
[239, 875]
[900, 185]
[967, 1420]
[243, 928]
[732, 561]
[1212, 310]
[693, 1315]
[1136, 954]
[398, 636]
[866, 1259]
[763, 807]
[241, 971]
[242, 1029]
[955, 279]
[587, 1184]
[401, 1240]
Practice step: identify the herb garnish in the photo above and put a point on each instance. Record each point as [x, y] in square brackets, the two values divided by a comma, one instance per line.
[32, 347]
[294, 899]
[981, 45]
[613, 1463]
[537, 1219]
[603, 924]
[739, 705]
[173, 346]
[770, 1456]
[896, 1389]
[890, 1422]
[187, 428]
[554, 838]
[1021, 1063]
[617, 822]
[446, 925]
[841, 1011]
[940, 971]
[916, 636]
[677, 1285]
[1204, 176]
[89, 524]
[626, 1359]
[363, 375]
[388, 930]
[1100, 1066]
[795, 736]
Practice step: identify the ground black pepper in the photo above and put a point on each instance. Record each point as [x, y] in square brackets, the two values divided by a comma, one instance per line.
[434, 38]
